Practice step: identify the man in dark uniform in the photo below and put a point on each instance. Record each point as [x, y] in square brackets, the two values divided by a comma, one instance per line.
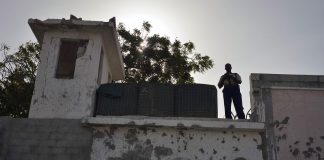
[231, 91]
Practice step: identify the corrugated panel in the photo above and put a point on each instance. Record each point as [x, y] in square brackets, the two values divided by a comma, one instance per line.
[196, 100]
[117, 99]
[187, 100]
[156, 100]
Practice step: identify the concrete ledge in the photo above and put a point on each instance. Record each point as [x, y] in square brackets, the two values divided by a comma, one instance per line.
[175, 122]
[258, 80]
[295, 88]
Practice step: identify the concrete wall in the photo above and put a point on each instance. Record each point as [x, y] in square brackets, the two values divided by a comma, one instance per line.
[292, 108]
[148, 138]
[66, 98]
[105, 70]
[298, 122]
[129, 138]
[40, 139]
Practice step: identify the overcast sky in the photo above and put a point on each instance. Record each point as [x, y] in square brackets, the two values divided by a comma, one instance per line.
[255, 36]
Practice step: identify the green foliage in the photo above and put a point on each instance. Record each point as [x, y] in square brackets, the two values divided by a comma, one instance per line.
[17, 78]
[146, 59]
[156, 59]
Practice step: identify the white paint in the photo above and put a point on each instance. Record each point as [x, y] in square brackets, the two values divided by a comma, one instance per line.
[210, 123]
[178, 144]
[305, 111]
[292, 108]
[73, 98]
[179, 138]
[258, 106]
[66, 98]
[105, 70]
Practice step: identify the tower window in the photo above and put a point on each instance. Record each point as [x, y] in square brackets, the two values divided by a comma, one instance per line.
[70, 49]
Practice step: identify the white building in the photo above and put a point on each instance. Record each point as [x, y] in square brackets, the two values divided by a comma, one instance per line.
[76, 57]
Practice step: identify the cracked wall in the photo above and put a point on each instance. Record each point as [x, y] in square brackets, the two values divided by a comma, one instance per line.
[298, 123]
[44, 139]
[67, 98]
[117, 142]
[292, 108]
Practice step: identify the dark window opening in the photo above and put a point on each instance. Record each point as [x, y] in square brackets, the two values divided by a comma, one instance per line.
[69, 51]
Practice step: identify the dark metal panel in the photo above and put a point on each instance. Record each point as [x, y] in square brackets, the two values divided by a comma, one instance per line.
[116, 99]
[161, 100]
[156, 100]
[196, 100]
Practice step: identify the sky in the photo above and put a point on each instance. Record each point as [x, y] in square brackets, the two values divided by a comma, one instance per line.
[255, 36]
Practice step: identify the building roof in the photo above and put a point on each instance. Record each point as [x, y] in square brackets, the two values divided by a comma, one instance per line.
[106, 29]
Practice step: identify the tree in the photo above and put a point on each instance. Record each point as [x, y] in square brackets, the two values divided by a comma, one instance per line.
[146, 59]
[17, 78]
[156, 59]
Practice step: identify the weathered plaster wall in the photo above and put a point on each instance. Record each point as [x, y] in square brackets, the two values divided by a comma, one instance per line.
[105, 71]
[260, 90]
[298, 121]
[66, 98]
[175, 139]
[44, 139]
[132, 138]
[291, 107]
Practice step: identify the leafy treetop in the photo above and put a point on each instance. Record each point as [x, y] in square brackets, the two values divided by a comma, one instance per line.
[17, 78]
[156, 59]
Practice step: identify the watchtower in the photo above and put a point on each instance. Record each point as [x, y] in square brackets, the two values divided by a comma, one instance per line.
[76, 57]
